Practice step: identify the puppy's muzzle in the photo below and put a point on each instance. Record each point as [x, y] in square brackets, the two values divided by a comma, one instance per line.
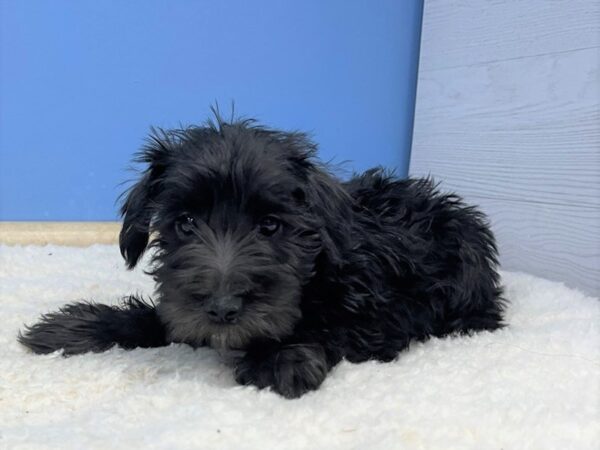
[224, 309]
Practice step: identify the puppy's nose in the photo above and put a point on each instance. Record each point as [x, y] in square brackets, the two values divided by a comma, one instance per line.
[224, 309]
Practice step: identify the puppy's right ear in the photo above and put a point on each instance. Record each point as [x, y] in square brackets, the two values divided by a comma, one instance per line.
[138, 208]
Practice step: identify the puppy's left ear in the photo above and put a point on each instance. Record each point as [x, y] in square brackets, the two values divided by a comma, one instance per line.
[327, 200]
[138, 208]
[332, 207]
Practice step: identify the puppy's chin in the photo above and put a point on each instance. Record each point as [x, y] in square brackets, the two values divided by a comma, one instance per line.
[187, 323]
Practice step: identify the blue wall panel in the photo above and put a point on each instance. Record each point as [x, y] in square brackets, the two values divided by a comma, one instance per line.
[82, 81]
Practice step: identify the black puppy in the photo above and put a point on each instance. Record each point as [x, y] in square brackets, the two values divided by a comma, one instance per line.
[259, 248]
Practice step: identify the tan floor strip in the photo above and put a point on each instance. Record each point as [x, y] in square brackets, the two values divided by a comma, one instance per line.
[61, 233]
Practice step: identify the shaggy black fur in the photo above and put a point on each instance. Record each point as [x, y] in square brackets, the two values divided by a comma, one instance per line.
[259, 248]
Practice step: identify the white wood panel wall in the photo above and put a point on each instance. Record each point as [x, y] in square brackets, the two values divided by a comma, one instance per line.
[508, 115]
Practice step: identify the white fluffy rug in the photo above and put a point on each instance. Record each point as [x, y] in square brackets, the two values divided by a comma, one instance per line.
[535, 384]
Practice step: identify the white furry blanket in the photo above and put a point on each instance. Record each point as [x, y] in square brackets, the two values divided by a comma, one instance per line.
[535, 384]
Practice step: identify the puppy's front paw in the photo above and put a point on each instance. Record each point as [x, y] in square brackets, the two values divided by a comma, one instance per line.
[291, 371]
[75, 329]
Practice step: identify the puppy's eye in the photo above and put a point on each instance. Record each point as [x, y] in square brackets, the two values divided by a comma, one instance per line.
[186, 224]
[269, 225]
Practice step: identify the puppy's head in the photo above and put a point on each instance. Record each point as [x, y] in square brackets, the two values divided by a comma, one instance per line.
[239, 215]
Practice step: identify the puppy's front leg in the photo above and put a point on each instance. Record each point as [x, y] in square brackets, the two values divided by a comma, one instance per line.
[91, 327]
[290, 369]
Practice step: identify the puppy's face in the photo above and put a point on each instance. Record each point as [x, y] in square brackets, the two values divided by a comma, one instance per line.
[236, 235]
[236, 245]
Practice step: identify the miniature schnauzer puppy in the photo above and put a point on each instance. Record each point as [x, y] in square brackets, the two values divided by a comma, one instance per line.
[258, 248]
